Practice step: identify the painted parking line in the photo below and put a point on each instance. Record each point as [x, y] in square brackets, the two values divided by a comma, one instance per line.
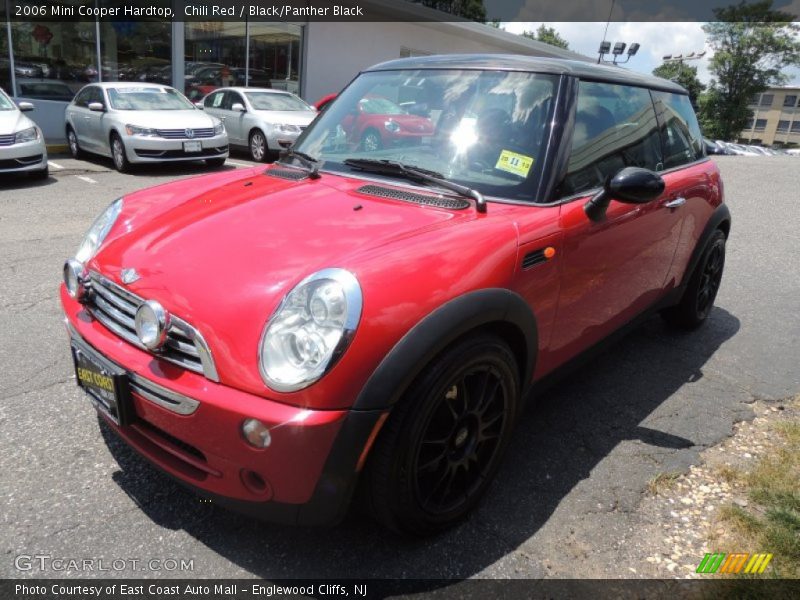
[53, 165]
[86, 179]
[238, 164]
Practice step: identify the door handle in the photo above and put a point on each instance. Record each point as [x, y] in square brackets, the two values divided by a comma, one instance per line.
[676, 203]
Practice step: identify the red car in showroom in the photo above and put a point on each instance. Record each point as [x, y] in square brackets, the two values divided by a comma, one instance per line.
[370, 320]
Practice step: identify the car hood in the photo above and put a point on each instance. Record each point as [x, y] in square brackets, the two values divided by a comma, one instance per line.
[221, 251]
[165, 119]
[12, 121]
[287, 117]
[412, 122]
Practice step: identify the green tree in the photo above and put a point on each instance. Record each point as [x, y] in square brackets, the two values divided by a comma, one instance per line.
[548, 35]
[473, 10]
[682, 74]
[752, 45]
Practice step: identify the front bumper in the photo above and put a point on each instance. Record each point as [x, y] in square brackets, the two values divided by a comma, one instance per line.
[309, 469]
[143, 149]
[24, 157]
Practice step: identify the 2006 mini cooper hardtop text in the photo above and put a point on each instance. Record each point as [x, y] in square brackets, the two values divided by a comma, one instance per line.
[368, 317]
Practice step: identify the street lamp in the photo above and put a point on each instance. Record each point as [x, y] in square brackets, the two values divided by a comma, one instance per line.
[680, 59]
[619, 49]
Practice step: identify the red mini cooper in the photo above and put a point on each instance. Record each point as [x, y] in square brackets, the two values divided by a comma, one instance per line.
[362, 319]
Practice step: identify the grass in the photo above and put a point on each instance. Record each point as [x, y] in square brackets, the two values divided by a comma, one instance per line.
[662, 482]
[773, 522]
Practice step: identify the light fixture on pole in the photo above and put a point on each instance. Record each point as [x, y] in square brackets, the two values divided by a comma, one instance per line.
[618, 50]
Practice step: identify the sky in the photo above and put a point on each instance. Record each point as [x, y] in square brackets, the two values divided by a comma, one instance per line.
[656, 39]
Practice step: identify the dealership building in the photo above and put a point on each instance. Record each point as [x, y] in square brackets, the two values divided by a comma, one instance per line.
[47, 62]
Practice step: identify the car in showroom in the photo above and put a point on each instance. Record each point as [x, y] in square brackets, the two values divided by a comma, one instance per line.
[371, 320]
[263, 120]
[22, 147]
[139, 123]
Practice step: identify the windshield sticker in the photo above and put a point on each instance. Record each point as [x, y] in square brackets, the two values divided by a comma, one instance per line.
[515, 163]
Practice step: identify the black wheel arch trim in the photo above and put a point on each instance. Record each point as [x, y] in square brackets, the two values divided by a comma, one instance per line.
[457, 317]
[720, 219]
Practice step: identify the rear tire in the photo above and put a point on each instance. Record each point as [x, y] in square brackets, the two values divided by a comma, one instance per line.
[371, 141]
[698, 298]
[118, 154]
[443, 442]
[74, 146]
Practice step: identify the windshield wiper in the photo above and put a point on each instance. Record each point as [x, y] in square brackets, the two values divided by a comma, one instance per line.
[311, 163]
[391, 167]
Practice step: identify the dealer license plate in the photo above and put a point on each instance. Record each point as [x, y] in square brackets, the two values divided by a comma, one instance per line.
[192, 146]
[105, 383]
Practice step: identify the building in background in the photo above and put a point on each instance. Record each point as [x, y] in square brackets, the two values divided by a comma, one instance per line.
[48, 62]
[776, 118]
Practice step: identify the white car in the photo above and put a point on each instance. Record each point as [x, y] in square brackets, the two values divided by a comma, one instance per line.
[142, 123]
[22, 148]
[261, 119]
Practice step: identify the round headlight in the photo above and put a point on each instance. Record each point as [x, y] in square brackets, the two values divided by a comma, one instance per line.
[310, 330]
[152, 323]
[98, 232]
[75, 279]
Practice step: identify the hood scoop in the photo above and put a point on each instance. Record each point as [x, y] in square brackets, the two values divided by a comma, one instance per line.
[293, 174]
[426, 199]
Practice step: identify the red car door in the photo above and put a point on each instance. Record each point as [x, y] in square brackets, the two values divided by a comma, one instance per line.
[615, 267]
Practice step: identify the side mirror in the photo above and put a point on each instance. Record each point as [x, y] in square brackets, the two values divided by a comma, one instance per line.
[238, 107]
[25, 106]
[198, 105]
[96, 106]
[631, 185]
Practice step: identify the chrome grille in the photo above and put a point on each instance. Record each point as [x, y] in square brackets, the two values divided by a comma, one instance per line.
[180, 134]
[115, 307]
[7, 140]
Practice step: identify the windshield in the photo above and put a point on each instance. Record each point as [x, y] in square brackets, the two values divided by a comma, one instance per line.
[147, 98]
[5, 102]
[483, 129]
[272, 101]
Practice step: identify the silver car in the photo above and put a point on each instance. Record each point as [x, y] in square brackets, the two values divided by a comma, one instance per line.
[261, 119]
[142, 123]
[22, 147]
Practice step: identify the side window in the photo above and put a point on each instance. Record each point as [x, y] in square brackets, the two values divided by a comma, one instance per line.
[680, 132]
[226, 101]
[97, 96]
[235, 98]
[214, 100]
[82, 99]
[615, 127]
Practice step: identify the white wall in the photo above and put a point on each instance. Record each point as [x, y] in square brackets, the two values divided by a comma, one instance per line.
[336, 52]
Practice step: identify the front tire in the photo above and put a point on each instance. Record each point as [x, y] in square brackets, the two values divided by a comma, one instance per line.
[258, 146]
[698, 298]
[215, 162]
[41, 175]
[72, 142]
[443, 442]
[118, 154]
[371, 141]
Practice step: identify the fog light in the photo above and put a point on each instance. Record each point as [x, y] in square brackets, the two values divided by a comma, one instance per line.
[256, 433]
[152, 323]
[75, 279]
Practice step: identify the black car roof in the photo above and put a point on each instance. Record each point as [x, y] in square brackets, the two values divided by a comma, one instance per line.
[537, 64]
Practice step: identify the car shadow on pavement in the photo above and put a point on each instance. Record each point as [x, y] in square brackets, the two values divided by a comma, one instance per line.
[645, 399]
[163, 169]
[16, 181]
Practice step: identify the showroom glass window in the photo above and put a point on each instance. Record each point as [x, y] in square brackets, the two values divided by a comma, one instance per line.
[680, 132]
[137, 50]
[215, 56]
[615, 127]
[52, 60]
[275, 56]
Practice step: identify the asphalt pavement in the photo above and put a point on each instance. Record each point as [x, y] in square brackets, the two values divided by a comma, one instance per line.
[578, 465]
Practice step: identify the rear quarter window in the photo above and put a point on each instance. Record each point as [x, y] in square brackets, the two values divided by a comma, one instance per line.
[680, 132]
[615, 127]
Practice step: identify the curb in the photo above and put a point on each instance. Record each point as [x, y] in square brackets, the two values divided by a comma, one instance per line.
[56, 148]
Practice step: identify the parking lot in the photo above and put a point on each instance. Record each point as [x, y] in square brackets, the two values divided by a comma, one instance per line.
[579, 461]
